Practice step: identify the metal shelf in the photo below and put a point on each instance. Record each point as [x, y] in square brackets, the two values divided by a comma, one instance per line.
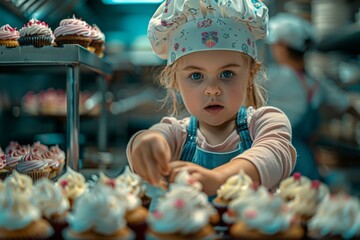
[72, 59]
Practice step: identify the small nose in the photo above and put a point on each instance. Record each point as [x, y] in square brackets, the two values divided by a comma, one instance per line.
[212, 90]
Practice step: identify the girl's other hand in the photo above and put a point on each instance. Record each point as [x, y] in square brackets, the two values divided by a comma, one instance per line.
[210, 179]
[150, 156]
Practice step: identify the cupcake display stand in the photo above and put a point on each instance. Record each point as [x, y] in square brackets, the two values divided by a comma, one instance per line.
[71, 59]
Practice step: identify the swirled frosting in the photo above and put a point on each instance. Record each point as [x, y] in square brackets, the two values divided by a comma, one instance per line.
[58, 153]
[73, 184]
[17, 212]
[339, 215]
[13, 145]
[2, 160]
[179, 213]
[289, 186]
[133, 180]
[307, 198]
[35, 27]
[99, 210]
[100, 34]
[73, 26]
[14, 156]
[7, 32]
[49, 198]
[31, 162]
[235, 186]
[122, 192]
[23, 182]
[260, 211]
[39, 148]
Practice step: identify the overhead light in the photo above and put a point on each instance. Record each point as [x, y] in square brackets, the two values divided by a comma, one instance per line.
[131, 1]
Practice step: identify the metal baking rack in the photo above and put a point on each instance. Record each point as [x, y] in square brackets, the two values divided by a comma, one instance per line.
[73, 59]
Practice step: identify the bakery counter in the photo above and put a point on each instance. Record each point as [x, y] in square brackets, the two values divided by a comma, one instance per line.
[73, 60]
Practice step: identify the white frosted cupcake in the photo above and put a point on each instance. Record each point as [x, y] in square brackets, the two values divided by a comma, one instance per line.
[97, 215]
[19, 219]
[288, 187]
[73, 185]
[52, 202]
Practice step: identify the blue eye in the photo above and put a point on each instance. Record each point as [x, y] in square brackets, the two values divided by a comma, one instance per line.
[196, 76]
[226, 74]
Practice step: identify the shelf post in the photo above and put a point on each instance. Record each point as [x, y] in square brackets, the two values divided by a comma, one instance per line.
[102, 130]
[72, 118]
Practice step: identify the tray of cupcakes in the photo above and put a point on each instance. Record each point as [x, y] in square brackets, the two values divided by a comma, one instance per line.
[37, 33]
[117, 208]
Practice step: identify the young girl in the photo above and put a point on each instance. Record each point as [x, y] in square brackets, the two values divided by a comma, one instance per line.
[211, 62]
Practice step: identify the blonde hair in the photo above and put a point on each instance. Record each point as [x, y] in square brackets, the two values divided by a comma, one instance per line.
[255, 96]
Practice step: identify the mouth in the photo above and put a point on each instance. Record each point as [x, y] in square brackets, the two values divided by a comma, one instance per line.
[214, 108]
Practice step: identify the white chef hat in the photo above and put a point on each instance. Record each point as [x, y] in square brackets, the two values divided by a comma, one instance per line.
[180, 27]
[290, 29]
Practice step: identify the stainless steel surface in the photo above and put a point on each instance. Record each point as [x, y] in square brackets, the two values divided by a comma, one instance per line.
[72, 118]
[75, 59]
[54, 56]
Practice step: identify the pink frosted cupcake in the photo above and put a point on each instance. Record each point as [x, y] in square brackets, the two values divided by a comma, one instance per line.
[14, 156]
[73, 31]
[3, 171]
[9, 36]
[97, 44]
[33, 165]
[35, 33]
[59, 155]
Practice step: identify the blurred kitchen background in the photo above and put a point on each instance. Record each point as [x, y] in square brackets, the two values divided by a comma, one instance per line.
[133, 98]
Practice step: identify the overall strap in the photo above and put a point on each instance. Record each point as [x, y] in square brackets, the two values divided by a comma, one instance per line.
[190, 143]
[242, 128]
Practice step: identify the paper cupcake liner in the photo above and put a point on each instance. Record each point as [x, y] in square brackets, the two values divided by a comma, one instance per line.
[70, 39]
[36, 41]
[121, 234]
[9, 43]
[36, 175]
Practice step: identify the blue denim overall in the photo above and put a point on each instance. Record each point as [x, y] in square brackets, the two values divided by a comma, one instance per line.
[210, 160]
[192, 153]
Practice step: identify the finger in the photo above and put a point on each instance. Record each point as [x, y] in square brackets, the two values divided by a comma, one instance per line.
[161, 159]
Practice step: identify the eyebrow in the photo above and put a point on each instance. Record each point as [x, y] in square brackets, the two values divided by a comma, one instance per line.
[190, 68]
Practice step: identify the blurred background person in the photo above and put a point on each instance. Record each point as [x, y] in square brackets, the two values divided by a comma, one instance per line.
[293, 90]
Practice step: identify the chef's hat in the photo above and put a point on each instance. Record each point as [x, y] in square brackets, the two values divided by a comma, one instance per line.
[290, 29]
[180, 27]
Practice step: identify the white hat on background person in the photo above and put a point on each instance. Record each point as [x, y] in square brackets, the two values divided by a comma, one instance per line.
[180, 27]
[290, 29]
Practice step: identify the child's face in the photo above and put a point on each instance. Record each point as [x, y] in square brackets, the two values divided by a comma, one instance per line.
[213, 84]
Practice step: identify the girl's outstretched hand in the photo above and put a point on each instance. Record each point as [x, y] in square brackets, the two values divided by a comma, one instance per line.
[210, 179]
[150, 156]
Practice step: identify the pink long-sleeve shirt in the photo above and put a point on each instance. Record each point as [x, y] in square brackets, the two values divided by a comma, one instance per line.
[271, 152]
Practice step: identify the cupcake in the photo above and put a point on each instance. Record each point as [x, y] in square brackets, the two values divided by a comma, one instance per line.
[306, 200]
[3, 171]
[73, 185]
[73, 31]
[9, 36]
[53, 164]
[21, 182]
[59, 155]
[135, 213]
[336, 218]
[53, 204]
[135, 184]
[97, 44]
[180, 215]
[234, 187]
[19, 219]
[35, 33]
[289, 186]
[97, 215]
[261, 215]
[33, 165]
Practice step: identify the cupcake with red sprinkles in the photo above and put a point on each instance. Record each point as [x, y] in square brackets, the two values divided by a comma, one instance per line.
[36, 33]
[9, 36]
